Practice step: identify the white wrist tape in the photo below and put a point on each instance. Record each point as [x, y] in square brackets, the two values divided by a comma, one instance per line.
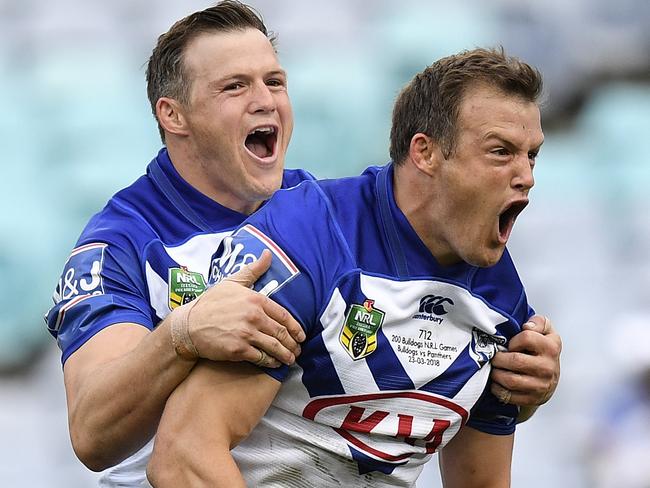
[180, 328]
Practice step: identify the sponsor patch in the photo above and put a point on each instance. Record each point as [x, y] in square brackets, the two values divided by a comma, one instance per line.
[378, 424]
[359, 333]
[246, 246]
[82, 273]
[81, 278]
[184, 286]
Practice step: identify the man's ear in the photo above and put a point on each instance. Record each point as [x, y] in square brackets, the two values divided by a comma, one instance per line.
[425, 153]
[171, 116]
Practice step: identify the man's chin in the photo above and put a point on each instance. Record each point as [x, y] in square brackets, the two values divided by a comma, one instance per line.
[265, 189]
[486, 259]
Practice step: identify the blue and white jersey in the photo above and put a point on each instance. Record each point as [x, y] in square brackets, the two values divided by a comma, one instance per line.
[147, 252]
[398, 348]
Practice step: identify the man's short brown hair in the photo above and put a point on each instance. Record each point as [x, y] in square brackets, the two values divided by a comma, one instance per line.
[430, 103]
[166, 73]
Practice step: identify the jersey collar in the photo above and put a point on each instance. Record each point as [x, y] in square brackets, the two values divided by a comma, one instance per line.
[202, 211]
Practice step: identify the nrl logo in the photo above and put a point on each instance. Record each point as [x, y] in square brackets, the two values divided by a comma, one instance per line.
[184, 286]
[359, 333]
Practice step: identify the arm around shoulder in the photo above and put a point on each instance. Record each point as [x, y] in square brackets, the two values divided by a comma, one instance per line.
[106, 427]
[215, 408]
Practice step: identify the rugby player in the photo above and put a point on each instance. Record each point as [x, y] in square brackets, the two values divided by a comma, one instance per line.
[220, 98]
[404, 287]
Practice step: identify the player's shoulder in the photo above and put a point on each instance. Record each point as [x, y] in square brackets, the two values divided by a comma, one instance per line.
[123, 216]
[293, 177]
[300, 210]
[351, 195]
[312, 200]
[500, 284]
[364, 182]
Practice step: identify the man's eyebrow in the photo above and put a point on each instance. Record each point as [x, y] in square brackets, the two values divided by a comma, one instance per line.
[242, 76]
[506, 141]
[495, 136]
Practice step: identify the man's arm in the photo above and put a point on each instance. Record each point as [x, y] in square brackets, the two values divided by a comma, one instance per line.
[474, 459]
[216, 407]
[528, 373]
[118, 381]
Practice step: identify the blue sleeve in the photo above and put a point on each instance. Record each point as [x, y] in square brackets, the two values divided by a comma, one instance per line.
[308, 254]
[293, 177]
[489, 414]
[101, 284]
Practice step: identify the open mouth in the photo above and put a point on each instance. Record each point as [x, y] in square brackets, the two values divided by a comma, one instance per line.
[261, 141]
[507, 219]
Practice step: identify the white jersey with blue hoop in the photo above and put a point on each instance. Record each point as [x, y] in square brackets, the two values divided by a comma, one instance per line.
[147, 252]
[398, 348]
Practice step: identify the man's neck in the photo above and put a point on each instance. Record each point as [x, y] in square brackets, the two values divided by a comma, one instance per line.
[191, 168]
[415, 197]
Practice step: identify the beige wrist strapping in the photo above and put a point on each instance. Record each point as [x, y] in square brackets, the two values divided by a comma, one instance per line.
[180, 327]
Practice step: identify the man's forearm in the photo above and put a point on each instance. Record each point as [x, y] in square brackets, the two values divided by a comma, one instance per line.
[115, 407]
[214, 409]
[474, 459]
[198, 468]
[118, 382]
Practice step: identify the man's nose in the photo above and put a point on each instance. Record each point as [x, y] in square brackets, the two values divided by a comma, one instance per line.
[523, 178]
[262, 99]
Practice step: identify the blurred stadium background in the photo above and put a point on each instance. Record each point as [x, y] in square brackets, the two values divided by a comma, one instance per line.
[76, 127]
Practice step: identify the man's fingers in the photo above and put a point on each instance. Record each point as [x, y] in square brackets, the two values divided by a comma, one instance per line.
[243, 325]
[539, 323]
[514, 397]
[265, 361]
[503, 394]
[522, 399]
[249, 274]
[524, 389]
[259, 357]
[278, 331]
[516, 361]
[518, 382]
[543, 325]
[285, 319]
[549, 345]
[529, 342]
[527, 374]
[266, 341]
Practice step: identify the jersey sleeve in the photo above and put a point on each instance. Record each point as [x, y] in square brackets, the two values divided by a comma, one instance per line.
[101, 284]
[307, 250]
[506, 291]
[293, 177]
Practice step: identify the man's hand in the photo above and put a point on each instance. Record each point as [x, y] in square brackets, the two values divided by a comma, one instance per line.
[231, 322]
[528, 373]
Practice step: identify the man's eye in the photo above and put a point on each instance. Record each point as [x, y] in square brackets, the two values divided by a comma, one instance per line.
[533, 155]
[233, 86]
[275, 82]
[500, 151]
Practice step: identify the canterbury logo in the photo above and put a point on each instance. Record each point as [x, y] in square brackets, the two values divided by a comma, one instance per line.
[434, 304]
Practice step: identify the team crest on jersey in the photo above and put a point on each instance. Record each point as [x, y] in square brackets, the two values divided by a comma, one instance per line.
[184, 286]
[359, 333]
[484, 346]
